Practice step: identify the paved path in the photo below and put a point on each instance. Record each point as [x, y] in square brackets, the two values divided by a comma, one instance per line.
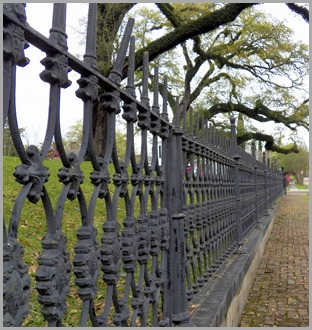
[279, 295]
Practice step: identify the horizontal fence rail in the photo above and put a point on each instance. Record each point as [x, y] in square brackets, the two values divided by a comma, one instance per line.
[183, 216]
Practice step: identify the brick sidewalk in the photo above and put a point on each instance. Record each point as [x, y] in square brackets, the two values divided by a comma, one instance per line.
[280, 293]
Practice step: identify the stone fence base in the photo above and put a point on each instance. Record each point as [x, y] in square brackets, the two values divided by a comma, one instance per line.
[221, 301]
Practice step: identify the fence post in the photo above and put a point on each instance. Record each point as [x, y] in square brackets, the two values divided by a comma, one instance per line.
[263, 157]
[259, 153]
[177, 257]
[253, 151]
[236, 156]
[266, 192]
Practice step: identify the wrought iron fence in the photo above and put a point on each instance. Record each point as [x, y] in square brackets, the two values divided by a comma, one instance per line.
[195, 207]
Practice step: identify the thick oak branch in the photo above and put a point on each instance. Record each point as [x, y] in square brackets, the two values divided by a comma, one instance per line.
[260, 113]
[270, 145]
[204, 24]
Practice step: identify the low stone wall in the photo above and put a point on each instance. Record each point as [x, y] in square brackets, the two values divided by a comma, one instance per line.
[221, 301]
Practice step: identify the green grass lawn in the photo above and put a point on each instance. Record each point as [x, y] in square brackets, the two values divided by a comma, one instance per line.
[301, 187]
[32, 227]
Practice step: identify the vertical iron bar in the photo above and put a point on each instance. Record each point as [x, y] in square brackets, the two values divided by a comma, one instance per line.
[266, 192]
[144, 95]
[259, 156]
[177, 263]
[256, 194]
[236, 157]
[164, 114]
[253, 149]
[115, 74]
[155, 106]
[91, 31]
[90, 59]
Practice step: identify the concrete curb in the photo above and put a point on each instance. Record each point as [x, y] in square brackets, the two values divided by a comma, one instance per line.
[222, 299]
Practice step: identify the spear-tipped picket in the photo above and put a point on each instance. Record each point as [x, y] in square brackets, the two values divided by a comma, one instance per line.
[144, 95]
[115, 74]
[155, 106]
[90, 57]
[131, 68]
[164, 113]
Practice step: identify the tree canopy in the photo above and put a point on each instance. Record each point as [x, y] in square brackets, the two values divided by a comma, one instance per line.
[298, 164]
[236, 60]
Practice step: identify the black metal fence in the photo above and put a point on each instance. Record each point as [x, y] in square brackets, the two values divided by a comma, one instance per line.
[195, 207]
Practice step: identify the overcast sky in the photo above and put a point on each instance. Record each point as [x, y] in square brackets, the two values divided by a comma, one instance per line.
[32, 93]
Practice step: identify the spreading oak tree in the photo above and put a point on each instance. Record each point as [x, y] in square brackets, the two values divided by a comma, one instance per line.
[235, 60]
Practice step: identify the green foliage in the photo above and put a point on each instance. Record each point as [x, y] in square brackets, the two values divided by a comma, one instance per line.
[75, 132]
[121, 144]
[258, 50]
[32, 228]
[32, 223]
[297, 164]
[8, 146]
[251, 59]
[73, 135]
[150, 24]
[110, 16]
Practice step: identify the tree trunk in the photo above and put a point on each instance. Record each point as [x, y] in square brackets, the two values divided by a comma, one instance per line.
[110, 16]
[299, 178]
[99, 129]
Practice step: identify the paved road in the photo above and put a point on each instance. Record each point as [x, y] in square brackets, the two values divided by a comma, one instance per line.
[279, 295]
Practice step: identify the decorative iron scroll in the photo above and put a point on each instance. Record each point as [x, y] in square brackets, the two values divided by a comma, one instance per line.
[184, 216]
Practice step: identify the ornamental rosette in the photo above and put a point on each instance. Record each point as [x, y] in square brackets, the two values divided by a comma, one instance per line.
[155, 125]
[122, 179]
[35, 173]
[56, 69]
[88, 88]
[130, 112]
[111, 101]
[72, 175]
[144, 121]
[101, 178]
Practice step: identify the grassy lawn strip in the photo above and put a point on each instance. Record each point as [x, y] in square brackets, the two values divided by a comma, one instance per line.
[32, 228]
[301, 187]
